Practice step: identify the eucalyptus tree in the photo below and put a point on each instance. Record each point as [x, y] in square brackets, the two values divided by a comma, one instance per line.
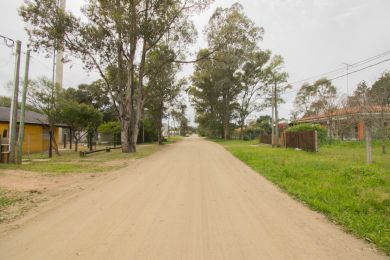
[232, 36]
[276, 84]
[115, 35]
[162, 88]
[252, 78]
[317, 98]
[205, 97]
[379, 95]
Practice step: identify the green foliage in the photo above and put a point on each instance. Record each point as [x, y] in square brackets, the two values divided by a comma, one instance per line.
[93, 94]
[116, 36]
[264, 123]
[112, 128]
[6, 102]
[80, 117]
[162, 89]
[216, 83]
[45, 97]
[322, 133]
[336, 181]
[315, 99]
[380, 91]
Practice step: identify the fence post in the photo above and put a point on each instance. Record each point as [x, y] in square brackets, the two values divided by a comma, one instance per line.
[316, 141]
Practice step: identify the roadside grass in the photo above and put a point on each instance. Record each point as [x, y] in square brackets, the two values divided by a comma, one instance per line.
[71, 162]
[7, 200]
[335, 181]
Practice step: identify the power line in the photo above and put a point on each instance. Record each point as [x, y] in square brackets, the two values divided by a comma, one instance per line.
[10, 43]
[356, 64]
[352, 72]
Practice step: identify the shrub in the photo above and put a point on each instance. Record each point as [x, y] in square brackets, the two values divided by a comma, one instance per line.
[110, 128]
[321, 131]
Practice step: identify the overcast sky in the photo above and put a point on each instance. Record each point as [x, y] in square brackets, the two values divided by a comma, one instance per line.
[314, 37]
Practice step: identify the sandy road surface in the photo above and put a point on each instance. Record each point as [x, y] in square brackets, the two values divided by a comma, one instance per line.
[191, 201]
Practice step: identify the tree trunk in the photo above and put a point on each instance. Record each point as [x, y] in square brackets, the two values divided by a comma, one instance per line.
[241, 130]
[90, 142]
[76, 145]
[70, 139]
[125, 136]
[384, 150]
[55, 146]
[226, 129]
[367, 129]
[53, 141]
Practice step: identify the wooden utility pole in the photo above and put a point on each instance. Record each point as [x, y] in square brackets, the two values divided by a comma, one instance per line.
[368, 132]
[23, 109]
[14, 106]
[276, 117]
[273, 117]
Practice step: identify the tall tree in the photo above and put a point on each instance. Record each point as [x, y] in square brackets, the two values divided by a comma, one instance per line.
[83, 119]
[233, 35]
[252, 79]
[179, 115]
[45, 97]
[117, 35]
[379, 95]
[276, 81]
[93, 94]
[206, 97]
[321, 98]
[316, 99]
[162, 88]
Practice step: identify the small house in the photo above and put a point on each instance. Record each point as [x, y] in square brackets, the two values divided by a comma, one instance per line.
[349, 123]
[36, 135]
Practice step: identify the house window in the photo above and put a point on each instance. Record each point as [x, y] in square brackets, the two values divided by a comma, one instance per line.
[5, 133]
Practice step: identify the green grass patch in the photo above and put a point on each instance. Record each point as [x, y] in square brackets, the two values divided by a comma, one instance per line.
[174, 139]
[335, 181]
[71, 162]
[8, 199]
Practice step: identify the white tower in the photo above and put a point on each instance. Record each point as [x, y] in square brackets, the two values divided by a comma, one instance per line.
[60, 55]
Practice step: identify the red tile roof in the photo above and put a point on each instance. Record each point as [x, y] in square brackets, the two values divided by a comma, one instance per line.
[348, 111]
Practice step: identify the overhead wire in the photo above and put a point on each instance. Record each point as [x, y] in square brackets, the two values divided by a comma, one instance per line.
[356, 64]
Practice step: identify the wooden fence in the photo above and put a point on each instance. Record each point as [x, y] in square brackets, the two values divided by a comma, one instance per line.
[305, 140]
[265, 139]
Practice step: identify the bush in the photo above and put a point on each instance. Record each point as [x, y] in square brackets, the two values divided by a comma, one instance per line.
[322, 133]
[110, 128]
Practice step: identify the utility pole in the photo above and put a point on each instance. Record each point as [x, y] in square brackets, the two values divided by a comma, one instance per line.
[368, 133]
[348, 66]
[276, 117]
[273, 117]
[23, 109]
[14, 106]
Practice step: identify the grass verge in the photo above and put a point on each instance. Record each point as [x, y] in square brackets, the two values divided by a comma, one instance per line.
[336, 181]
[8, 199]
[70, 161]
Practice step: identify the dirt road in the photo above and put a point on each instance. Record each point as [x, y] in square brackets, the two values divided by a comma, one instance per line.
[190, 201]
